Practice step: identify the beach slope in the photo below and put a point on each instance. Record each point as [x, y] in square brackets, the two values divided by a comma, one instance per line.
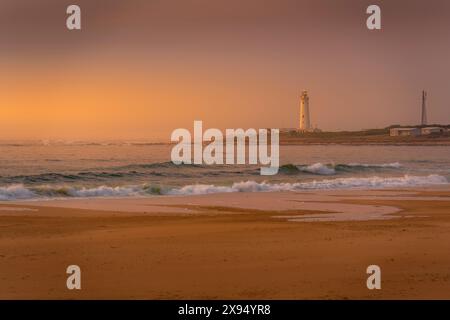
[230, 246]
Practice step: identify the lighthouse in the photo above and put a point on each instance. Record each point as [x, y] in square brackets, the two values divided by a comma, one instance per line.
[305, 122]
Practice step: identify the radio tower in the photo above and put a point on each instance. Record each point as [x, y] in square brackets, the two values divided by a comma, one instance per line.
[424, 108]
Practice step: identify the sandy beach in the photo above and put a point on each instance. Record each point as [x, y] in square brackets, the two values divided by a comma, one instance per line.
[278, 245]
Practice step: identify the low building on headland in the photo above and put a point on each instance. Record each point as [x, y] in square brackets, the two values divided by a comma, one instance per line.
[431, 130]
[402, 132]
[296, 130]
[288, 130]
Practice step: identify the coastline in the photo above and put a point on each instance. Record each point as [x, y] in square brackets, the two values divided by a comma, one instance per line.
[379, 137]
[354, 143]
[228, 246]
[379, 141]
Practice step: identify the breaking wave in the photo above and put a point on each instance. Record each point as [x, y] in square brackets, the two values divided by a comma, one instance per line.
[328, 184]
[20, 192]
[331, 169]
[319, 168]
[168, 169]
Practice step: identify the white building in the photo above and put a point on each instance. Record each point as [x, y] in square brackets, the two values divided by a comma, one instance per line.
[402, 132]
[430, 130]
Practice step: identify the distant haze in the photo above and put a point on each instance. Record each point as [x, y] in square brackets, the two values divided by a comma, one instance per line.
[139, 69]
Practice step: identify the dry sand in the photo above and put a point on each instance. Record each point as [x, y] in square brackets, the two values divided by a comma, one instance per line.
[230, 246]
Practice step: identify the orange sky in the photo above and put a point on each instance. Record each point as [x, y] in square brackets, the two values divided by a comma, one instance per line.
[140, 69]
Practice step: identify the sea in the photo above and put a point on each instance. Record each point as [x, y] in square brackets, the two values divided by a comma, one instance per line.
[40, 170]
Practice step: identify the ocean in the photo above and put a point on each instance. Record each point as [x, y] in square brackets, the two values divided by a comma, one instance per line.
[49, 170]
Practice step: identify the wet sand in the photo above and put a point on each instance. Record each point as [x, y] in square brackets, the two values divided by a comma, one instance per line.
[230, 246]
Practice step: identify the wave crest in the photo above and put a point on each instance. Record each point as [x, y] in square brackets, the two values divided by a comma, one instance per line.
[331, 169]
[327, 184]
[20, 192]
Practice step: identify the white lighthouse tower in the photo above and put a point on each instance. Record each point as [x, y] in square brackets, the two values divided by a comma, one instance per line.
[305, 122]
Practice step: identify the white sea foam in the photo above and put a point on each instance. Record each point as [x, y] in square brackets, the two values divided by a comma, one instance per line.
[331, 169]
[339, 183]
[16, 191]
[318, 168]
[20, 192]
[375, 165]
[105, 191]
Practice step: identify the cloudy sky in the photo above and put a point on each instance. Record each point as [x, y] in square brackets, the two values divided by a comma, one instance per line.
[139, 69]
